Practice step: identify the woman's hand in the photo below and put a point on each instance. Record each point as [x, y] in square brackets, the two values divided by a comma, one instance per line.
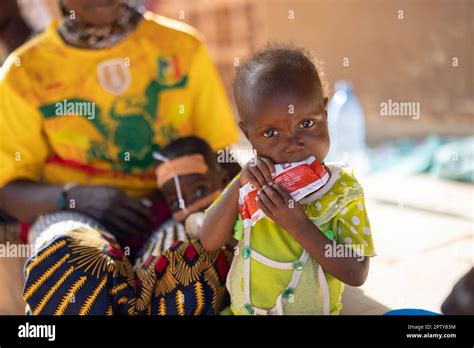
[111, 206]
[278, 205]
[259, 172]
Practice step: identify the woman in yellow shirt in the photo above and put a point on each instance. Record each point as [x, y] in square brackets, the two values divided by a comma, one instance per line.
[84, 105]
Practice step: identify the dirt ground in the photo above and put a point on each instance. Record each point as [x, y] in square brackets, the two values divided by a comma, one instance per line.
[423, 236]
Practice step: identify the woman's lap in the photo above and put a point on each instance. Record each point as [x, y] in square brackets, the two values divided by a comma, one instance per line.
[85, 271]
[183, 280]
[79, 272]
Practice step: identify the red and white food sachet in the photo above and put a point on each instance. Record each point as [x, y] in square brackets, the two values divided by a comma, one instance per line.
[299, 178]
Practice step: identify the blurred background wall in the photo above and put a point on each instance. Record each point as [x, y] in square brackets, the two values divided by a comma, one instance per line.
[407, 51]
[403, 50]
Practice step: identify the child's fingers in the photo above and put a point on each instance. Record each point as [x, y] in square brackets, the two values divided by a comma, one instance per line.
[264, 208]
[269, 164]
[255, 177]
[274, 196]
[282, 192]
[264, 170]
[263, 197]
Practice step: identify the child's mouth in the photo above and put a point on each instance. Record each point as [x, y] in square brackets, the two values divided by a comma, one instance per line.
[295, 157]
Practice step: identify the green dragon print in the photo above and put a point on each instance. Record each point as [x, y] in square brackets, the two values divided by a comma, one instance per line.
[133, 134]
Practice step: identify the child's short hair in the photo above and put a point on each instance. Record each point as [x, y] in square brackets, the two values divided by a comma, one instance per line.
[188, 146]
[276, 65]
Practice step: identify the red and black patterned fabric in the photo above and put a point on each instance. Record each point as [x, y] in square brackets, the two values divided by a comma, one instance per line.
[177, 276]
[84, 271]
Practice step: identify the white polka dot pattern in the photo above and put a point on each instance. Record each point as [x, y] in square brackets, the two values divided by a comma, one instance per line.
[355, 220]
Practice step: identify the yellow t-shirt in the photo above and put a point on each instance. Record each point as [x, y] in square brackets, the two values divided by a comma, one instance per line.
[338, 210]
[95, 116]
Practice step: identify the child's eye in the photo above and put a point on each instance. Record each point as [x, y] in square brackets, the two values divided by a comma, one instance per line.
[306, 123]
[270, 133]
[200, 192]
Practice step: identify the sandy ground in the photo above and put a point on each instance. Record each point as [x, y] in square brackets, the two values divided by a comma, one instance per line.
[423, 236]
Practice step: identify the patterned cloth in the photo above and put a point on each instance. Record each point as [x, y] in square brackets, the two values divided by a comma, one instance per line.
[177, 276]
[84, 271]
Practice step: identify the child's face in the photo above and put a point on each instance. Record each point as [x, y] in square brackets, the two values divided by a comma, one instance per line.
[288, 126]
[193, 188]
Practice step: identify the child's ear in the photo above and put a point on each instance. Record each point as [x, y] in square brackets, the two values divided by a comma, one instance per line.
[243, 127]
[325, 100]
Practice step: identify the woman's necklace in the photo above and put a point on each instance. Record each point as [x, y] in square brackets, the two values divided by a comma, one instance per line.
[87, 36]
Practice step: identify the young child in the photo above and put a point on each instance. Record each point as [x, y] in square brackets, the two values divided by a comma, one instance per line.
[296, 259]
[176, 274]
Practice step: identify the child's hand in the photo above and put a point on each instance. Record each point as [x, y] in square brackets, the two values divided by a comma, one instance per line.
[278, 205]
[258, 172]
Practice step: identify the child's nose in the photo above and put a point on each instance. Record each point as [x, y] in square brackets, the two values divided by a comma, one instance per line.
[294, 144]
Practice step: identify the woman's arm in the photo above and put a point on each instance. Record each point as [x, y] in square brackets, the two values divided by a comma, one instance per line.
[26, 200]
